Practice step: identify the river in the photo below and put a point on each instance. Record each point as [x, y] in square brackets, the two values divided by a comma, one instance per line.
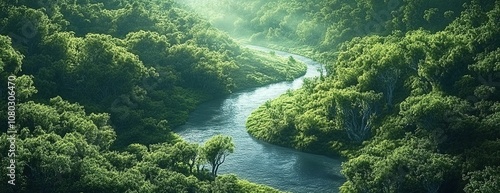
[282, 168]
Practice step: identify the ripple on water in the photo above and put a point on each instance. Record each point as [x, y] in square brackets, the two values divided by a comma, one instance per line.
[257, 161]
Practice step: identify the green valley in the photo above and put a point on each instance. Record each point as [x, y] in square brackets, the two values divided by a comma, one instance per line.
[408, 97]
[99, 87]
[411, 92]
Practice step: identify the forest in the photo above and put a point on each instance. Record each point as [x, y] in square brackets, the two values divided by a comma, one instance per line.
[99, 87]
[410, 97]
[411, 94]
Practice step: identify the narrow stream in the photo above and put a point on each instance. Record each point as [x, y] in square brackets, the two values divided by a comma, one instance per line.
[257, 161]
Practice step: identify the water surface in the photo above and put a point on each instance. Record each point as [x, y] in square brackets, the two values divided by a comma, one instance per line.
[257, 161]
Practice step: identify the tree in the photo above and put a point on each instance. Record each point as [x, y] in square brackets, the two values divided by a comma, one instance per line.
[25, 87]
[484, 180]
[410, 164]
[10, 59]
[106, 69]
[216, 149]
[151, 47]
[487, 68]
[226, 183]
[447, 119]
[389, 79]
[357, 112]
[186, 153]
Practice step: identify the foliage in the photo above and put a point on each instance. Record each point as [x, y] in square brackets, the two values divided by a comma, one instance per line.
[400, 166]
[146, 63]
[324, 24]
[483, 181]
[410, 97]
[413, 106]
[10, 61]
[61, 148]
[215, 151]
[100, 84]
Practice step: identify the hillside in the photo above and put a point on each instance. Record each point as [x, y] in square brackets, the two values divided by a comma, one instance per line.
[96, 87]
[410, 96]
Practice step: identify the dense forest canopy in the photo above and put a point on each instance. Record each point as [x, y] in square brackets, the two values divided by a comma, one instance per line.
[325, 24]
[144, 62]
[410, 98]
[411, 94]
[412, 103]
[99, 86]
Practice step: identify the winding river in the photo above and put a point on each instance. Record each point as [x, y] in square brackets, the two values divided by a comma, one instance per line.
[257, 161]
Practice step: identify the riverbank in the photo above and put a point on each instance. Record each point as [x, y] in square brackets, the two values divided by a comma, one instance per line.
[254, 160]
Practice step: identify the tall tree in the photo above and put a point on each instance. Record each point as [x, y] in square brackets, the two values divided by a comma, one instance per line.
[357, 112]
[216, 149]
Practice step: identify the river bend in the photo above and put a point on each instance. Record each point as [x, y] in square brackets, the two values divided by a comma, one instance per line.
[282, 168]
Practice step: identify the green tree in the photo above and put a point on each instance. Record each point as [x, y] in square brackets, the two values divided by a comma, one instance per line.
[356, 112]
[226, 183]
[447, 119]
[10, 59]
[186, 153]
[486, 180]
[24, 87]
[215, 151]
[398, 166]
[106, 69]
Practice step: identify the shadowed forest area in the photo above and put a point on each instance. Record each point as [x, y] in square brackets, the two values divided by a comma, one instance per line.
[410, 95]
